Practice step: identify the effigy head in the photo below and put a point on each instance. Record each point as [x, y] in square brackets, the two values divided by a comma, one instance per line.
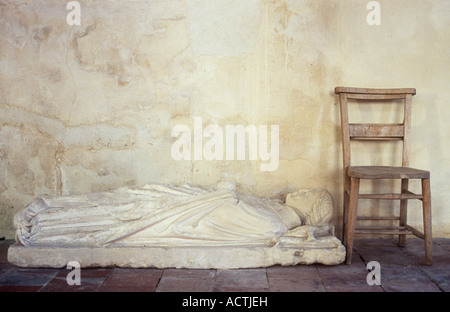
[314, 206]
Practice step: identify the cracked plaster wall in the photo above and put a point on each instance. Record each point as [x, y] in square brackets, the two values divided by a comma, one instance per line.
[91, 107]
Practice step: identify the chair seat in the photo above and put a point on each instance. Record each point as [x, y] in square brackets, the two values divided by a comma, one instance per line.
[386, 172]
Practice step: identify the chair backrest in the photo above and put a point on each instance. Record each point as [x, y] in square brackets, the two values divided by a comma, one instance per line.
[375, 131]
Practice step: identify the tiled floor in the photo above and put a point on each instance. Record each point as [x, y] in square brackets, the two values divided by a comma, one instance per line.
[402, 269]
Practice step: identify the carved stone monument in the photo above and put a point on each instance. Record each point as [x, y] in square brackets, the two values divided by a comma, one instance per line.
[176, 226]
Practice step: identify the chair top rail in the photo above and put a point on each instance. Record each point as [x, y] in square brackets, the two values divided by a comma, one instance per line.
[352, 90]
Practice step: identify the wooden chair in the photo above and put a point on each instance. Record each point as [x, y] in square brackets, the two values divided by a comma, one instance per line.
[353, 174]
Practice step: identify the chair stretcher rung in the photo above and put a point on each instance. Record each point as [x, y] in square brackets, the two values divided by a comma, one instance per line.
[377, 218]
[415, 231]
[408, 195]
[389, 230]
[380, 228]
[384, 232]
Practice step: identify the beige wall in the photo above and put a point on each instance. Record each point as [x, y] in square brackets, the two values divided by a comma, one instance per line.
[91, 107]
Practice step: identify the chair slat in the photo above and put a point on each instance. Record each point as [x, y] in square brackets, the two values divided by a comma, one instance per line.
[366, 130]
[359, 96]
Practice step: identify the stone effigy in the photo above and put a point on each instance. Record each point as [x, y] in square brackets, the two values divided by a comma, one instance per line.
[176, 226]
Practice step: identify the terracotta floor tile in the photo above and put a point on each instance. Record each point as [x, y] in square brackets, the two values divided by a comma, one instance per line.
[20, 288]
[384, 254]
[134, 277]
[26, 277]
[59, 284]
[366, 288]
[441, 255]
[226, 280]
[89, 273]
[185, 285]
[438, 261]
[343, 275]
[439, 275]
[406, 278]
[185, 273]
[239, 289]
[443, 242]
[445, 287]
[299, 278]
[294, 272]
[293, 285]
[119, 288]
[90, 280]
[409, 285]
[342, 269]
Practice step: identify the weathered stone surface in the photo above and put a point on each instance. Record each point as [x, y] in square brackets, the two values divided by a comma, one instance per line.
[175, 226]
[330, 253]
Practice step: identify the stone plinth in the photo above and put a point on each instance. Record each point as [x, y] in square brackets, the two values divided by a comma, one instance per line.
[330, 252]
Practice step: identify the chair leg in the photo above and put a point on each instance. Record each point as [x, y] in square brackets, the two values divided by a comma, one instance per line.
[427, 219]
[345, 217]
[351, 219]
[403, 213]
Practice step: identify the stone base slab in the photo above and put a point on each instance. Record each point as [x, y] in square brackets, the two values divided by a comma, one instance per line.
[174, 257]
